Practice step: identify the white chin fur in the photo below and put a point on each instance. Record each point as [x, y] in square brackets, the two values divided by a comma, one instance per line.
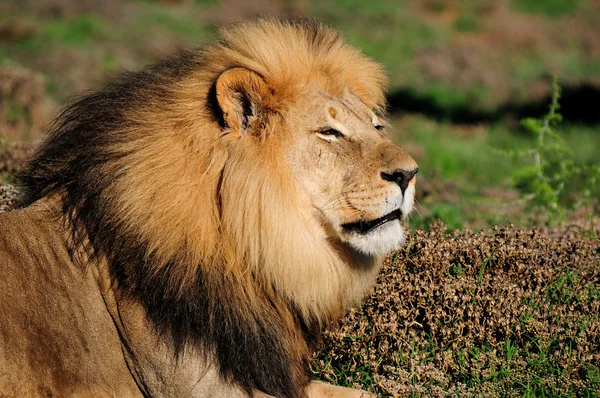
[381, 241]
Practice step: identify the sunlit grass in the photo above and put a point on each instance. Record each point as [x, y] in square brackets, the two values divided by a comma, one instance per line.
[471, 159]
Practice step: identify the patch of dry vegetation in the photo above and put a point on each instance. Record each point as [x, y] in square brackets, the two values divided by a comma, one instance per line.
[13, 157]
[8, 196]
[508, 313]
[23, 102]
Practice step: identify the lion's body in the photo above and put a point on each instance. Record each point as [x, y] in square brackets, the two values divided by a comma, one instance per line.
[57, 337]
[191, 228]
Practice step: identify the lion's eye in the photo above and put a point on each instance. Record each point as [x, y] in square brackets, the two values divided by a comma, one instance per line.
[332, 132]
[379, 127]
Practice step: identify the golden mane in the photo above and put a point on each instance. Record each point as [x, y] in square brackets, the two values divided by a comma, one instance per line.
[185, 213]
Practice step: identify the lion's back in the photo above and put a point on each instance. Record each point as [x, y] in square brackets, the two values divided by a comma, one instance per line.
[55, 330]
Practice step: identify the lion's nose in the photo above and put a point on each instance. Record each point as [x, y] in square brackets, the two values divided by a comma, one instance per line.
[401, 177]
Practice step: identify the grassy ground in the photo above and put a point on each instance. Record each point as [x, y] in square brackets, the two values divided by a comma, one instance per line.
[468, 181]
[509, 313]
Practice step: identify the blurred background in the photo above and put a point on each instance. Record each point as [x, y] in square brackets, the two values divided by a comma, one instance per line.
[464, 75]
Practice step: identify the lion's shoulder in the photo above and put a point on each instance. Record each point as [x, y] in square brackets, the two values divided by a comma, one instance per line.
[55, 330]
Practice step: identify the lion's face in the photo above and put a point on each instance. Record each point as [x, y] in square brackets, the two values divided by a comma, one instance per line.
[360, 184]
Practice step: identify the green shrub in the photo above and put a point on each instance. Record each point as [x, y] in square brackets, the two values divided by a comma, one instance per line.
[549, 175]
[551, 8]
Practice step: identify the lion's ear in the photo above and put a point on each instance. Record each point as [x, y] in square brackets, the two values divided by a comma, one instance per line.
[240, 93]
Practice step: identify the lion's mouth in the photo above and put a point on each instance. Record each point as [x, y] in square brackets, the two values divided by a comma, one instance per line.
[364, 227]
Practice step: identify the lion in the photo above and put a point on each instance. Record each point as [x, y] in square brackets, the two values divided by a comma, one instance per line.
[192, 228]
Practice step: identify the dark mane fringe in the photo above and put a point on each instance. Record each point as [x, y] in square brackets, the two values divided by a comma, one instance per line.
[81, 131]
[255, 350]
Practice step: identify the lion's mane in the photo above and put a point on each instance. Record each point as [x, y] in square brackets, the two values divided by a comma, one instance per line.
[210, 234]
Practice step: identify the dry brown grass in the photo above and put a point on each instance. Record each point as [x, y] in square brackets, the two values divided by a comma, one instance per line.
[502, 313]
[23, 103]
[8, 195]
[12, 158]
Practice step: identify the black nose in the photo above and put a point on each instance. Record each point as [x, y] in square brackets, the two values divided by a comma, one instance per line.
[400, 177]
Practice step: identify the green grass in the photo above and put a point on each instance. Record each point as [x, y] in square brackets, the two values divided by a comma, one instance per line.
[451, 214]
[467, 22]
[14, 112]
[466, 159]
[550, 8]
[175, 22]
[471, 159]
[102, 45]
[79, 31]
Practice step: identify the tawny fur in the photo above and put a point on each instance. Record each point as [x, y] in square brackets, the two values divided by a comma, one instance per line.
[189, 189]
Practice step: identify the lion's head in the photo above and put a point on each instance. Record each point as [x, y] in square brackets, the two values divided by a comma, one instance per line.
[358, 183]
[253, 177]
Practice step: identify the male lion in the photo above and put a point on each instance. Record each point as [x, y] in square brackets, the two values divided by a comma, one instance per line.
[190, 229]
